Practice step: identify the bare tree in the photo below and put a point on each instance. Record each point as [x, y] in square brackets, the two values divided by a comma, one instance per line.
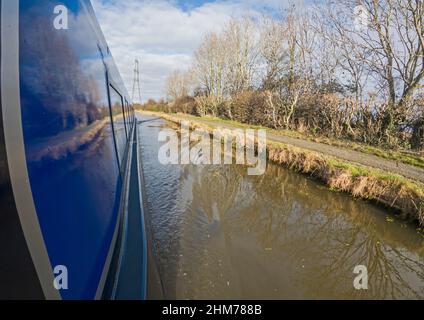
[241, 53]
[390, 45]
[209, 69]
[178, 84]
[287, 48]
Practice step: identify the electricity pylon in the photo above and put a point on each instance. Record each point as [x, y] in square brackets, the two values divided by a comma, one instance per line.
[136, 82]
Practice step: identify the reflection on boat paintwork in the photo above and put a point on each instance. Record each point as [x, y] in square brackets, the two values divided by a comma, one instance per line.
[72, 162]
[60, 146]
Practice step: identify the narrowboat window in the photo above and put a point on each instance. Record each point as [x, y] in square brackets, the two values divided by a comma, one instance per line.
[118, 122]
[127, 115]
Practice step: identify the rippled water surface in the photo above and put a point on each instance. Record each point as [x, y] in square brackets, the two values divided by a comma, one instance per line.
[221, 234]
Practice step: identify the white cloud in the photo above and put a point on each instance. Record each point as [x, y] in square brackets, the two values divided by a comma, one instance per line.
[163, 35]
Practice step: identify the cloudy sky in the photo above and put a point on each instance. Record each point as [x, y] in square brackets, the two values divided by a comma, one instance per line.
[163, 34]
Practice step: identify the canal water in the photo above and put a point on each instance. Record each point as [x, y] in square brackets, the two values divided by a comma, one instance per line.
[219, 233]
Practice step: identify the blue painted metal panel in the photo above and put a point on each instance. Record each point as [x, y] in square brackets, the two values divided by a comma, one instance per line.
[71, 158]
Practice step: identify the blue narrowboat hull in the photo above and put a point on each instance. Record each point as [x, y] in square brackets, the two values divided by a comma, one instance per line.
[68, 124]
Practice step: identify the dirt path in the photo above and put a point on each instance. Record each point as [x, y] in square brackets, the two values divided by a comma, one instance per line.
[369, 160]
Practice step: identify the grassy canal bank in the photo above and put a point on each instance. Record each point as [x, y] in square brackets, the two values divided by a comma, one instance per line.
[373, 175]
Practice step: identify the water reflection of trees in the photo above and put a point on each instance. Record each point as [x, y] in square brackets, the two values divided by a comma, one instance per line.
[323, 234]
